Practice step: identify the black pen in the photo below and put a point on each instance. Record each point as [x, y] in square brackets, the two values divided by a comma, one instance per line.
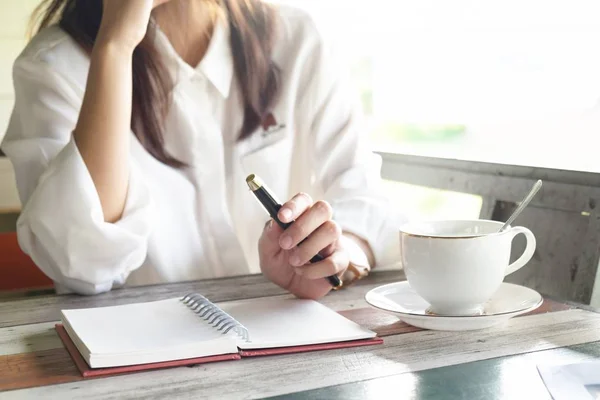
[272, 206]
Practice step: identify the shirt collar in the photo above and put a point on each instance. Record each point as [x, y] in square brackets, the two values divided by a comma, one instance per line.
[216, 65]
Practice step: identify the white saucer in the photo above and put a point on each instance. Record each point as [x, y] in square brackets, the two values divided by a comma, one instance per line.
[402, 301]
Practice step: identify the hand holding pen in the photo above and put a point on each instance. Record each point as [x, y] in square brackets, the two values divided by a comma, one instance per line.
[299, 248]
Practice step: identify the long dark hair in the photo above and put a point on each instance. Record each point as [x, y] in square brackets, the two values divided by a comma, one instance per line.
[252, 31]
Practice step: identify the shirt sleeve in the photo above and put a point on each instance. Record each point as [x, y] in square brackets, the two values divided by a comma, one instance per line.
[61, 225]
[346, 170]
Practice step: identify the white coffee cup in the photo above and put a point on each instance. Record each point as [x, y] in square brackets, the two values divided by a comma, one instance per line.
[456, 266]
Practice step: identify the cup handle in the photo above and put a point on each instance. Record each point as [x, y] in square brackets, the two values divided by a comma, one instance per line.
[529, 249]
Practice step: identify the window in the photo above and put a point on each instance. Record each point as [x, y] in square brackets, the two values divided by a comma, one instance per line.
[503, 81]
[507, 81]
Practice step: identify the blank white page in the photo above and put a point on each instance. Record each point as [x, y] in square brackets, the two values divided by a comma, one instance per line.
[139, 328]
[282, 322]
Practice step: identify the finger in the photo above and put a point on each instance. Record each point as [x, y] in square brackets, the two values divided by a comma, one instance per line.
[294, 207]
[332, 265]
[326, 234]
[306, 224]
[269, 240]
[329, 250]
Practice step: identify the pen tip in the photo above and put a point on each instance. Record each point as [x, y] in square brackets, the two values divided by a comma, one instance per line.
[254, 182]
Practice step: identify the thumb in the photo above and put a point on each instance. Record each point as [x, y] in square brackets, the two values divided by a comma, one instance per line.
[269, 240]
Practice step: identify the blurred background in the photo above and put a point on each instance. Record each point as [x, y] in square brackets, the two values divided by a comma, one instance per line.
[509, 82]
[513, 82]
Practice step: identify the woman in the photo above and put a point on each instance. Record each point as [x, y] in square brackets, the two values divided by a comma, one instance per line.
[136, 123]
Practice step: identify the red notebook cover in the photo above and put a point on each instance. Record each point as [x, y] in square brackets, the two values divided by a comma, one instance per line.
[310, 347]
[87, 372]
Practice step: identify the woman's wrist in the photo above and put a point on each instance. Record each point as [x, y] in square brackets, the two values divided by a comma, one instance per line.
[105, 46]
[358, 249]
[360, 257]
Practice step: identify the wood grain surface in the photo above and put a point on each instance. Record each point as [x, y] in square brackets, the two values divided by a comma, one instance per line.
[32, 357]
[267, 376]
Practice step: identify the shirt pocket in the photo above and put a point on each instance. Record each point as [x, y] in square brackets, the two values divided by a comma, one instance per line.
[271, 162]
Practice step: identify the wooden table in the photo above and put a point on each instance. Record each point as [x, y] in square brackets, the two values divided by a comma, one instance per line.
[496, 363]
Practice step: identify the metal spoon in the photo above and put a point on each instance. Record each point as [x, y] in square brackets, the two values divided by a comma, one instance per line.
[523, 204]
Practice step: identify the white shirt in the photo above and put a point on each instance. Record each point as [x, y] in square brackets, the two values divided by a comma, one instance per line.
[202, 221]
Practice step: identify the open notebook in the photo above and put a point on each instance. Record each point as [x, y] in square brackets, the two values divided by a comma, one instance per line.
[192, 330]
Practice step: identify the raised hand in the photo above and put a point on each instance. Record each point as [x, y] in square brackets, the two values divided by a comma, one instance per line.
[287, 264]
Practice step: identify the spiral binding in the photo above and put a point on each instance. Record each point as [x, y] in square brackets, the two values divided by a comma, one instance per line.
[216, 317]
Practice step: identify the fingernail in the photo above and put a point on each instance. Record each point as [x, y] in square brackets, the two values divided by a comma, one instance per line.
[286, 242]
[286, 214]
[269, 225]
[295, 261]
